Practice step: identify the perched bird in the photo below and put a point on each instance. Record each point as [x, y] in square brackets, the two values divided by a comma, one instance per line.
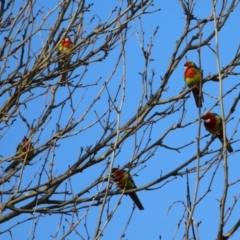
[64, 60]
[24, 152]
[124, 181]
[213, 124]
[193, 78]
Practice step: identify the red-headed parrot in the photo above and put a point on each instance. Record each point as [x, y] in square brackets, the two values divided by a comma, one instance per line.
[193, 78]
[124, 181]
[213, 124]
[64, 48]
[24, 152]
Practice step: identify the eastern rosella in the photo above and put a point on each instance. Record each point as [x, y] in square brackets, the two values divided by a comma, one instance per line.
[24, 152]
[213, 124]
[64, 48]
[193, 78]
[124, 181]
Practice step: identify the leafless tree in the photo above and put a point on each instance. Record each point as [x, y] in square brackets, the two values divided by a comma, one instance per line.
[112, 113]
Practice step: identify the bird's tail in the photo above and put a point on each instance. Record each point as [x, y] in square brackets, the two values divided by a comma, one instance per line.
[12, 165]
[198, 99]
[63, 79]
[136, 200]
[229, 147]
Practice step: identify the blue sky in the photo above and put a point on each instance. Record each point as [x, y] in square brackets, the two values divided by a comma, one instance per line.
[163, 206]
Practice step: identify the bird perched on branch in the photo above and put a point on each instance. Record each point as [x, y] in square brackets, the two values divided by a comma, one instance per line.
[213, 124]
[24, 152]
[64, 58]
[124, 181]
[193, 79]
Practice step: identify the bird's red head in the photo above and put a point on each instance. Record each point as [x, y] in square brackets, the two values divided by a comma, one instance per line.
[66, 42]
[189, 64]
[209, 119]
[116, 173]
[207, 116]
[25, 139]
[26, 145]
